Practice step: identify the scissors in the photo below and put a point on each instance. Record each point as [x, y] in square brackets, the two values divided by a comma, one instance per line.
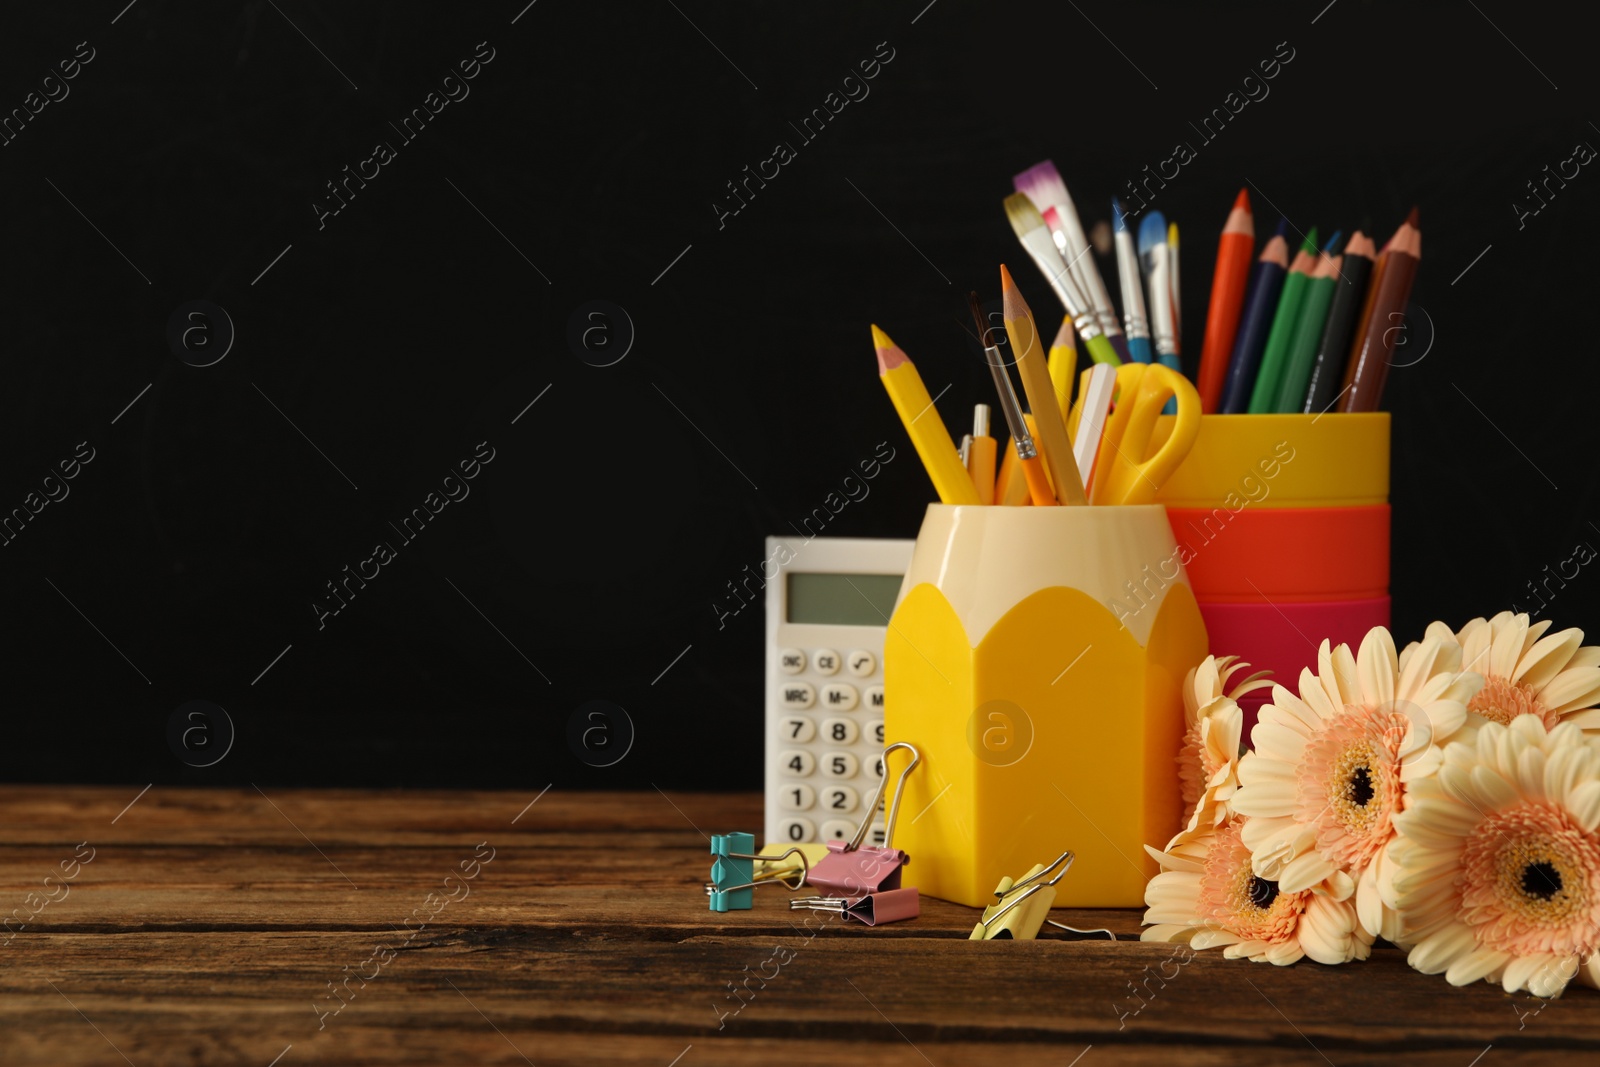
[1130, 468]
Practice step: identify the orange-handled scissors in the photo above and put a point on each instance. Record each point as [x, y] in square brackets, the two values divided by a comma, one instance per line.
[1128, 470]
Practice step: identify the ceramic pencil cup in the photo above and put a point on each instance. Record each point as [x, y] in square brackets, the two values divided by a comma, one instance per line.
[1037, 666]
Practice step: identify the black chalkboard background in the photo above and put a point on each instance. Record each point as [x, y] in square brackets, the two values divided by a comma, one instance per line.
[375, 348]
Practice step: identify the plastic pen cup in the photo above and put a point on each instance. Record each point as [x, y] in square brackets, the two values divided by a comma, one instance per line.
[1283, 525]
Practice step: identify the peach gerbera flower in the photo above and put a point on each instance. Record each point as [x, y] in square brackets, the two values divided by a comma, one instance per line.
[1330, 768]
[1209, 759]
[1208, 895]
[1525, 672]
[1498, 860]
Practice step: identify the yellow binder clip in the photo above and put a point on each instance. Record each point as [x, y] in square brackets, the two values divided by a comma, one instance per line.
[1021, 907]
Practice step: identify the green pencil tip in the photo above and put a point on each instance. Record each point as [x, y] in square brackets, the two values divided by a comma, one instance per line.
[1310, 244]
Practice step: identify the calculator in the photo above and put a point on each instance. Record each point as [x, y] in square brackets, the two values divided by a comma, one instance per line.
[828, 609]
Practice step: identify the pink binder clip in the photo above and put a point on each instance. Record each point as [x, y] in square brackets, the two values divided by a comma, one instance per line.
[852, 871]
[888, 906]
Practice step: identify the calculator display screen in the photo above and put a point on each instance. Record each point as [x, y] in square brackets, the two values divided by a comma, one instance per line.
[842, 599]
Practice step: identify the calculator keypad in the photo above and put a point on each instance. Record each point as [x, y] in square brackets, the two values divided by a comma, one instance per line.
[830, 760]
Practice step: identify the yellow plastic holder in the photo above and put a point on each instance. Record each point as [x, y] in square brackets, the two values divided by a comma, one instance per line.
[1282, 461]
[1035, 659]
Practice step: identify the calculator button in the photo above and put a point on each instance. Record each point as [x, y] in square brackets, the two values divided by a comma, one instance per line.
[838, 764]
[876, 768]
[799, 729]
[795, 829]
[874, 697]
[797, 696]
[825, 660]
[862, 663]
[840, 798]
[839, 696]
[838, 830]
[796, 796]
[791, 661]
[875, 836]
[839, 731]
[875, 731]
[797, 762]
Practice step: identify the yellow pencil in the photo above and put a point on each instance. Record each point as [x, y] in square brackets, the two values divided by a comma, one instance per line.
[1063, 361]
[1028, 351]
[922, 422]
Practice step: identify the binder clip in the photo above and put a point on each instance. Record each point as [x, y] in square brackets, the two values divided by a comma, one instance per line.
[888, 906]
[852, 871]
[1023, 906]
[733, 872]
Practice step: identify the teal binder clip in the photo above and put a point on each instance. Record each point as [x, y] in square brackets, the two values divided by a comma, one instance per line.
[733, 871]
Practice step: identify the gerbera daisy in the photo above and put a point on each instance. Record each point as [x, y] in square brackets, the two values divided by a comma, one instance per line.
[1208, 895]
[1329, 769]
[1498, 860]
[1208, 761]
[1555, 677]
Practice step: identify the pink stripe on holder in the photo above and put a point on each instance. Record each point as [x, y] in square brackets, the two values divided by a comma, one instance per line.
[1283, 637]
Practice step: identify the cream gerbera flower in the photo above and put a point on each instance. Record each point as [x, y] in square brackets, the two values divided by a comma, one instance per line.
[1330, 768]
[1555, 677]
[1208, 761]
[1498, 860]
[1208, 895]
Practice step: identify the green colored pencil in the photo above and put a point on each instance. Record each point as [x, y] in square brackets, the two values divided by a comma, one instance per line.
[1307, 334]
[1265, 394]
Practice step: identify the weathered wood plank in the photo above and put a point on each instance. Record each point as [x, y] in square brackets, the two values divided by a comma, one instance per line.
[207, 926]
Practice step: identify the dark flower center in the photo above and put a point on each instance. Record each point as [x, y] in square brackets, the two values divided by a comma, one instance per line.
[1262, 892]
[1541, 880]
[1359, 788]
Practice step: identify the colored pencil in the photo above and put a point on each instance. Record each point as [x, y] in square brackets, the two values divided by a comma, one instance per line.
[1350, 291]
[1028, 225]
[1063, 364]
[1266, 284]
[1265, 391]
[1368, 368]
[1027, 348]
[1134, 322]
[1228, 283]
[1302, 353]
[928, 434]
[1177, 290]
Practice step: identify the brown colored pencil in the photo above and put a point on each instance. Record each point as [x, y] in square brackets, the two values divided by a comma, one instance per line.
[1368, 368]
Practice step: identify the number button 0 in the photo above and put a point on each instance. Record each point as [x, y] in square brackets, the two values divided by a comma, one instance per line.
[839, 798]
[798, 729]
[825, 660]
[839, 765]
[797, 696]
[797, 796]
[839, 731]
[798, 762]
[862, 663]
[795, 830]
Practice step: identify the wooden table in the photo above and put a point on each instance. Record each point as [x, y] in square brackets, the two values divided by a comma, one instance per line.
[210, 926]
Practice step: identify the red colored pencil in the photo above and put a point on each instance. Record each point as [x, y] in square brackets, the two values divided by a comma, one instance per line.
[1234, 253]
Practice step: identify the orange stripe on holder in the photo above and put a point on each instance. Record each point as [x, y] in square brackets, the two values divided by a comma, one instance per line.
[1284, 554]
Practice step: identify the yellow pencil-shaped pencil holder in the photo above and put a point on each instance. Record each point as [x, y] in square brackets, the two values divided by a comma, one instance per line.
[1036, 660]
